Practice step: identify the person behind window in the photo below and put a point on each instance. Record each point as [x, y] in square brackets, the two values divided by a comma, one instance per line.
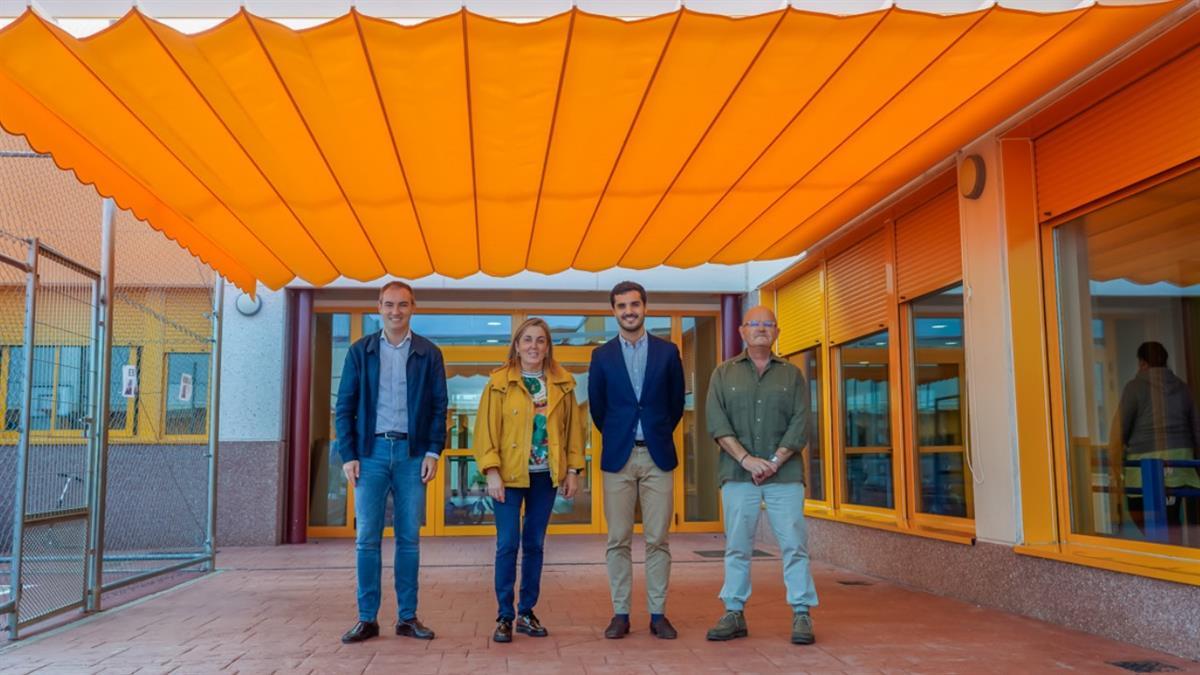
[529, 443]
[1156, 419]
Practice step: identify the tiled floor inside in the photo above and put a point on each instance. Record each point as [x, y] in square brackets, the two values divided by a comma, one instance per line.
[282, 609]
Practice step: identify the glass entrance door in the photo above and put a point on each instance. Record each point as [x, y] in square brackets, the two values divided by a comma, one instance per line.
[473, 345]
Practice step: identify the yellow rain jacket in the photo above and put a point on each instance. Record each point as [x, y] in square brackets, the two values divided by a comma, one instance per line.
[504, 425]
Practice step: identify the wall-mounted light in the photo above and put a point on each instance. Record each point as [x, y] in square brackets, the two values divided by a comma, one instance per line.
[248, 306]
[972, 176]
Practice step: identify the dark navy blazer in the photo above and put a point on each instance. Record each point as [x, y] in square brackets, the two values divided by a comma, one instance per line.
[358, 392]
[616, 409]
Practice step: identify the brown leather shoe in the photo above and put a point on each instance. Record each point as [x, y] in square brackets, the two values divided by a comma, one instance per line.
[617, 628]
[528, 624]
[503, 632]
[414, 628]
[663, 629]
[363, 630]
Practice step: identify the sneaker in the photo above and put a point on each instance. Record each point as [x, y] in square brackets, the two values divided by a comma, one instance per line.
[529, 625]
[802, 629]
[731, 625]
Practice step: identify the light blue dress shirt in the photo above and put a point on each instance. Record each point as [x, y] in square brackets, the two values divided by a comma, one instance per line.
[391, 412]
[634, 354]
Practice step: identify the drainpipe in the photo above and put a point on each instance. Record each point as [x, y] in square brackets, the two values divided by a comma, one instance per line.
[731, 320]
[297, 527]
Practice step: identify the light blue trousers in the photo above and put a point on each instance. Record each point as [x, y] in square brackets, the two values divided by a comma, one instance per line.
[785, 511]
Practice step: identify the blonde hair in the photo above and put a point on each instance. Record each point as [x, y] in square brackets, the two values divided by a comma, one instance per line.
[514, 359]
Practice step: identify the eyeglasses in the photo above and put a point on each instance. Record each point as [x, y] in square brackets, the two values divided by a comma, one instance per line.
[760, 324]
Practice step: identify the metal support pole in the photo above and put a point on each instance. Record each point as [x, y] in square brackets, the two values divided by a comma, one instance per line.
[731, 320]
[214, 419]
[22, 482]
[99, 470]
[297, 527]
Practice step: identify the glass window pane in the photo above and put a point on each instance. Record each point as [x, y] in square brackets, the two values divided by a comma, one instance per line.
[809, 363]
[867, 433]
[578, 509]
[71, 406]
[339, 346]
[187, 394]
[454, 329]
[943, 478]
[119, 407]
[700, 451]
[42, 405]
[467, 501]
[1129, 319]
[12, 391]
[577, 329]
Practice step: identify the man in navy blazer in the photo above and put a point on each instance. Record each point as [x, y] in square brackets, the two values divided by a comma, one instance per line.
[635, 392]
[391, 427]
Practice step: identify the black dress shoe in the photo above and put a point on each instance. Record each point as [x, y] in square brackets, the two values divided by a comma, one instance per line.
[663, 629]
[363, 630]
[617, 628]
[414, 628]
[503, 632]
[529, 625]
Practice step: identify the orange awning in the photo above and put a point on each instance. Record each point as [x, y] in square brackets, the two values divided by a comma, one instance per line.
[361, 147]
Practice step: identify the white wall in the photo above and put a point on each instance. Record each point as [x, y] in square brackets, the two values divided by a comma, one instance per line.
[991, 388]
[253, 368]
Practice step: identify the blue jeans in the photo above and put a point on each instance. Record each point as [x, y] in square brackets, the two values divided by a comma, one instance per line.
[785, 510]
[389, 469]
[530, 536]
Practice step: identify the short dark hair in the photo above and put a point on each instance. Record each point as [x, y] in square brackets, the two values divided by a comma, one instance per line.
[1153, 353]
[397, 284]
[623, 288]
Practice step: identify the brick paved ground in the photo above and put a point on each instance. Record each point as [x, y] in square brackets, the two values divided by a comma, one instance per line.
[282, 609]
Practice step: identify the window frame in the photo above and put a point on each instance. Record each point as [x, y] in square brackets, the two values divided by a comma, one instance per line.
[960, 524]
[163, 434]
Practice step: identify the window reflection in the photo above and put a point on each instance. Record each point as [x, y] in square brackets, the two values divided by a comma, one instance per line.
[938, 366]
[1129, 314]
[454, 329]
[700, 451]
[867, 436]
[809, 363]
[580, 330]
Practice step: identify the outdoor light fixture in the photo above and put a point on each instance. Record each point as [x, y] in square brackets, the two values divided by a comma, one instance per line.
[248, 306]
[972, 176]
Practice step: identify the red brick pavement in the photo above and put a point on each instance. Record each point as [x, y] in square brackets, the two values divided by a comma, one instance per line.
[282, 610]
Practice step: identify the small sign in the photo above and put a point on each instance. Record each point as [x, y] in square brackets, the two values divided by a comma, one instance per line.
[185, 387]
[129, 381]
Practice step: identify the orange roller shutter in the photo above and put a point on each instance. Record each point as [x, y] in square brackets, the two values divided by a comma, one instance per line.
[928, 252]
[856, 284]
[801, 313]
[1147, 128]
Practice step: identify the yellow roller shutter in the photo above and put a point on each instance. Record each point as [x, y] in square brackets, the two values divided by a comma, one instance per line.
[856, 286]
[801, 313]
[928, 254]
[1150, 126]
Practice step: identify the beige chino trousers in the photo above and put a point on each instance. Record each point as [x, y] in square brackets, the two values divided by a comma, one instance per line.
[640, 479]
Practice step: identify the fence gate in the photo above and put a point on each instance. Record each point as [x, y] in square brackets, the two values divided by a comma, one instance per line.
[55, 370]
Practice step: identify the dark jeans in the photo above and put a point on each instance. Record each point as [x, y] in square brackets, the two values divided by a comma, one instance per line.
[389, 469]
[529, 536]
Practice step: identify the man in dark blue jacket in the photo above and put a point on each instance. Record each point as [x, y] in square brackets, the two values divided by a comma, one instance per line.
[391, 428]
[635, 391]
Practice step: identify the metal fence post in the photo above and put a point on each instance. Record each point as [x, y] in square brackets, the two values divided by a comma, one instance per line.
[31, 282]
[99, 472]
[214, 426]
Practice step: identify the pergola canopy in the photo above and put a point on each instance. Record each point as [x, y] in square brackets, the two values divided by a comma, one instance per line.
[361, 147]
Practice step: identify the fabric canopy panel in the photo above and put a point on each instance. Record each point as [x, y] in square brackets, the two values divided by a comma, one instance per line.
[360, 147]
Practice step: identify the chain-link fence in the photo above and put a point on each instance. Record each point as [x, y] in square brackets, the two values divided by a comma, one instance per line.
[132, 480]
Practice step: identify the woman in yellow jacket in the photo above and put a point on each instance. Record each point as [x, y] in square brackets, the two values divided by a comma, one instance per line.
[529, 444]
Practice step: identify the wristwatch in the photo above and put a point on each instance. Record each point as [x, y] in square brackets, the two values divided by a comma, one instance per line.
[573, 471]
[776, 461]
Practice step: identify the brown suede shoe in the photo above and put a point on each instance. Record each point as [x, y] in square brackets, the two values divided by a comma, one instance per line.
[617, 628]
[663, 629]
